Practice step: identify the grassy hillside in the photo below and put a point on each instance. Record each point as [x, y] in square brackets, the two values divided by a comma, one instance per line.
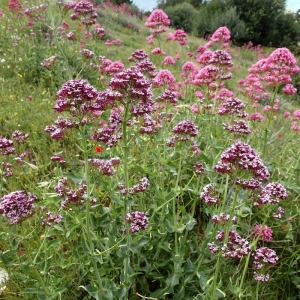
[143, 168]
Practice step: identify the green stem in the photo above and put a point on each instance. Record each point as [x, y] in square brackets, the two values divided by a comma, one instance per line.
[256, 292]
[216, 273]
[126, 207]
[88, 208]
[34, 269]
[244, 274]
[176, 266]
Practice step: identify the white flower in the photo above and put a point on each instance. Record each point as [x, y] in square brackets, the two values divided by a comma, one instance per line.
[3, 279]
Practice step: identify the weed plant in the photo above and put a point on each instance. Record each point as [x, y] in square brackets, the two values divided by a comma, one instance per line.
[141, 163]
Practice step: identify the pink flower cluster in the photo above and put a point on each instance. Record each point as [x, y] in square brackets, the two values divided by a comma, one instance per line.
[58, 158]
[36, 12]
[180, 36]
[138, 188]
[240, 156]
[272, 193]
[99, 30]
[72, 196]
[17, 206]
[232, 105]
[263, 256]
[164, 77]
[209, 195]
[198, 168]
[19, 136]
[237, 247]
[51, 218]
[168, 60]
[137, 220]
[88, 54]
[289, 89]
[263, 232]
[239, 127]
[6, 146]
[14, 5]
[49, 62]
[272, 71]
[184, 130]
[113, 42]
[223, 219]
[221, 35]
[105, 166]
[149, 126]
[85, 11]
[157, 19]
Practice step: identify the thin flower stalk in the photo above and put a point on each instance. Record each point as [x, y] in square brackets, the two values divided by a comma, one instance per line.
[88, 207]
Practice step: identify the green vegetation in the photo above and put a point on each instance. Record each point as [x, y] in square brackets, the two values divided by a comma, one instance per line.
[126, 174]
[262, 22]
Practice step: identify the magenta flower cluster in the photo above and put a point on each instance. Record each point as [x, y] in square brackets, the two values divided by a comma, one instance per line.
[263, 232]
[129, 87]
[71, 196]
[51, 218]
[138, 188]
[49, 62]
[105, 166]
[17, 206]
[272, 194]
[236, 247]
[240, 156]
[261, 257]
[6, 146]
[84, 11]
[77, 97]
[137, 220]
[183, 131]
[209, 194]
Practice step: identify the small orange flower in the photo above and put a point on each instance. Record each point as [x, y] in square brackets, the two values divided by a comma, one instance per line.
[99, 149]
[280, 135]
[79, 24]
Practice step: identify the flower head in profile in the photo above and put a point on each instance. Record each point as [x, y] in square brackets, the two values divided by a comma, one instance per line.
[209, 195]
[84, 11]
[158, 18]
[49, 62]
[168, 60]
[14, 5]
[164, 77]
[75, 96]
[241, 157]
[183, 131]
[180, 36]
[289, 89]
[221, 35]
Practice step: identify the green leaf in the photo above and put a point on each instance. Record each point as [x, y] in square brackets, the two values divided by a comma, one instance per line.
[173, 280]
[234, 289]
[5, 257]
[220, 294]
[159, 294]
[92, 289]
[138, 243]
[75, 226]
